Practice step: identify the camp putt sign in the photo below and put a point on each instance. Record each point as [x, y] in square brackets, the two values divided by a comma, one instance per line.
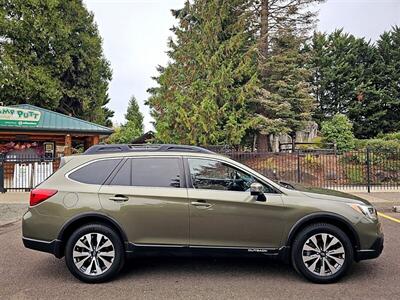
[13, 116]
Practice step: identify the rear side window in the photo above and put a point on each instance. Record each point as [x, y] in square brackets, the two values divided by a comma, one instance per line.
[95, 172]
[156, 172]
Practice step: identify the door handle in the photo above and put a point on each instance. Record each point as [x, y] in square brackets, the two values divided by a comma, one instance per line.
[119, 198]
[201, 204]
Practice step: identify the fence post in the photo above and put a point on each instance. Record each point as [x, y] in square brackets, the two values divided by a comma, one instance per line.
[368, 162]
[2, 190]
[298, 167]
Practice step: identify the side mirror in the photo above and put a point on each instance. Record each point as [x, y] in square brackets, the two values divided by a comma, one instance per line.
[256, 189]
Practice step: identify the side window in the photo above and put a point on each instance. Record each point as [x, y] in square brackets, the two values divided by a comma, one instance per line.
[215, 175]
[123, 176]
[95, 172]
[156, 172]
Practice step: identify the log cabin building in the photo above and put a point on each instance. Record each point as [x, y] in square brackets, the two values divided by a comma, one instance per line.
[33, 139]
[27, 129]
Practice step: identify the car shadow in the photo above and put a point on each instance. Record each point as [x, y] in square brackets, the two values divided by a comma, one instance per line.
[205, 265]
[208, 266]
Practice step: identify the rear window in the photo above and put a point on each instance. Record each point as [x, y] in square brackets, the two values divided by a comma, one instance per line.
[95, 172]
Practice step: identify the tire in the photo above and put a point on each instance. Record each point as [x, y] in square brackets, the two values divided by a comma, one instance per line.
[327, 260]
[99, 261]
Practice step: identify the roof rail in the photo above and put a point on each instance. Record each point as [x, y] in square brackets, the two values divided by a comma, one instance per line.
[120, 148]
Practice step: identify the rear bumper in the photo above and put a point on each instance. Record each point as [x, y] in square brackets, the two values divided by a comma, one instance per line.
[374, 252]
[54, 247]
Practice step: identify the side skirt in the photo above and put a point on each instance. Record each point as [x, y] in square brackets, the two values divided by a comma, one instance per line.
[186, 250]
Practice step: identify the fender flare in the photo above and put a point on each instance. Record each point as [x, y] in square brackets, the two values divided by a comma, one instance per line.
[97, 215]
[322, 216]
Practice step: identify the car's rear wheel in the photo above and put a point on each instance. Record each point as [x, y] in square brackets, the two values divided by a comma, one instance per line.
[322, 253]
[94, 253]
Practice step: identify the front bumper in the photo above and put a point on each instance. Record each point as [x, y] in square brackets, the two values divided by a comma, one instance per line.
[374, 252]
[53, 247]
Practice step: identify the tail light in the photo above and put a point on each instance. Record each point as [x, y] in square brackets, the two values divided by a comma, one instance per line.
[40, 195]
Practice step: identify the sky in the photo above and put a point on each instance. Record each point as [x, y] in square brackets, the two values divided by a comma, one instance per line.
[135, 34]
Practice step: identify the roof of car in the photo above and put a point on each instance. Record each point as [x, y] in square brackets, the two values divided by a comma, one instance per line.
[152, 148]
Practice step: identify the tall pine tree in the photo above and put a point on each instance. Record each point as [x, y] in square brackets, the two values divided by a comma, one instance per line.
[388, 81]
[133, 127]
[203, 94]
[51, 56]
[286, 103]
[354, 77]
[339, 61]
[283, 107]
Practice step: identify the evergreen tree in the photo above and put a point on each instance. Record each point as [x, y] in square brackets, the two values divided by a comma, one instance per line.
[339, 62]
[133, 127]
[51, 56]
[339, 130]
[134, 116]
[203, 93]
[388, 81]
[283, 107]
[286, 103]
[354, 77]
[278, 15]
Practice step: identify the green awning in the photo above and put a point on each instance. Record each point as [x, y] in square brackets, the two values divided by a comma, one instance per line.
[51, 121]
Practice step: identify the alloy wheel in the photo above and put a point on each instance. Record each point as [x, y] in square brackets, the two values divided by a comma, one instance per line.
[323, 254]
[93, 254]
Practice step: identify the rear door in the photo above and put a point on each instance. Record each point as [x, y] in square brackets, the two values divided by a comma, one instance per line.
[148, 198]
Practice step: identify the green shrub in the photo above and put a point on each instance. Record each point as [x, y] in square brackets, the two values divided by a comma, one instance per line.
[318, 144]
[339, 130]
[355, 175]
[395, 136]
[360, 144]
[356, 158]
[312, 161]
[388, 149]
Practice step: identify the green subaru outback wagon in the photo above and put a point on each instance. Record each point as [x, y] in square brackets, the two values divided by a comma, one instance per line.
[117, 201]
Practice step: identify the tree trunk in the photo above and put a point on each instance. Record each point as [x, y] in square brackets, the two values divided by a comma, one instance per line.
[293, 137]
[263, 141]
[264, 34]
[254, 145]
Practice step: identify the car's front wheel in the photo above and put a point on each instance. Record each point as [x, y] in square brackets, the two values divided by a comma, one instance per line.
[322, 253]
[94, 253]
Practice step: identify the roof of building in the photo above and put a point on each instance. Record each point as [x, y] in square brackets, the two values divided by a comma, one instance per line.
[52, 121]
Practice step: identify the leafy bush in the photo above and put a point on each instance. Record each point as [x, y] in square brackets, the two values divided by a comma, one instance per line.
[354, 158]
[339, 130]
[355, 175]
[381, 149]
[318, 143]
[395, 136]
[390, 149]
[312, 161]
[360, 144]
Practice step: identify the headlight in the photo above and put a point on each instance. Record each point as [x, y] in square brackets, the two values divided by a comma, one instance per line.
[367, 210]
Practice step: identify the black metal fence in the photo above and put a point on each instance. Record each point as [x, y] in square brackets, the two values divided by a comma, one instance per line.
[19, 172]
[362, 170]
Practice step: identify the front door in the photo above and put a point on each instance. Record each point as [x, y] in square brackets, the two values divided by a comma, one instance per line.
[149, 200]
[224, 214]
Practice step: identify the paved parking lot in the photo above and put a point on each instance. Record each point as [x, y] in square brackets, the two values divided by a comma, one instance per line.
[28, 274]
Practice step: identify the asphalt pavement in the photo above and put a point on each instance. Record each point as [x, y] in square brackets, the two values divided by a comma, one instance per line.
[29, 274]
